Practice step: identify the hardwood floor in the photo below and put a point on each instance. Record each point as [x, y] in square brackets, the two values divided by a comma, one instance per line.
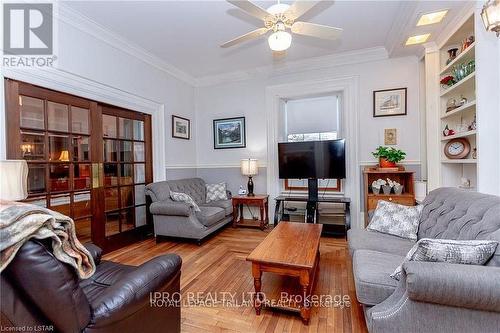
[219, 265]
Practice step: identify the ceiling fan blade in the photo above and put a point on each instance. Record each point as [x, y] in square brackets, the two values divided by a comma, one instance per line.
[299, 8]
[316, 30]
[251, 8]
[248, 36]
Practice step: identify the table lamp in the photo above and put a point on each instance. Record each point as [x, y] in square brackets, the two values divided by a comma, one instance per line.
[13, 180]
[249, 168]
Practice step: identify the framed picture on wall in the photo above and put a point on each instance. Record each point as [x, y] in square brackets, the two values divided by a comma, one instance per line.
[181, 128]
[389, 102]
[229, 133]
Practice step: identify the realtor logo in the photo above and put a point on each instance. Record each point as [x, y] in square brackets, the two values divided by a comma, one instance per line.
[28, 29]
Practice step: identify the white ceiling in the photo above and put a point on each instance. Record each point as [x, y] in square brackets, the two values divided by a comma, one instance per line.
[187, 34]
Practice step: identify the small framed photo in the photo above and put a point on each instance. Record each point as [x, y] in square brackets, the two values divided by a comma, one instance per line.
[390, 136]
[229, 133]
[389, 102]
[181, 128]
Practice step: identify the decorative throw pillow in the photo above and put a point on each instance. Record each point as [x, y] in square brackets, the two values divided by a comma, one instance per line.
[183, 197]
[394, 219]
[471, 252]
[216, 192]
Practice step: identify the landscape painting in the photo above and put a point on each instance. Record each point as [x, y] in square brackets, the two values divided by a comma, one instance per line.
[229, 133]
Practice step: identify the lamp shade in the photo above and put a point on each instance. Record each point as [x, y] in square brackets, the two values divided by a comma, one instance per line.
[64, 157]
[249, 167]
[13, 180]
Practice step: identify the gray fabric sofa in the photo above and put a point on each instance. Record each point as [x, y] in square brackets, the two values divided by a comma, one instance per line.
[431, 297]
[178, 219]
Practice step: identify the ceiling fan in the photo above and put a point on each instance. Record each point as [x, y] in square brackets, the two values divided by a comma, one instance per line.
[279, 18]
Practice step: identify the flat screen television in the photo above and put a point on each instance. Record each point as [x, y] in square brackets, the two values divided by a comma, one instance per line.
[312, 159]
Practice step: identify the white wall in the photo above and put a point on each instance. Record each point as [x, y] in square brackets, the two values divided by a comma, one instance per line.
[82, 54]
[488, 107]
[247, 98]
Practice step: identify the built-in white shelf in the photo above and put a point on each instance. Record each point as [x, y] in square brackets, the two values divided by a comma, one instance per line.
[462, 109]
[459, 135]
[460, 161]
[466, 84]
[467, 55]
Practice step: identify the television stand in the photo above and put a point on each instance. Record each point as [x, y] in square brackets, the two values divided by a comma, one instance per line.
[312, 200]
[312, 214]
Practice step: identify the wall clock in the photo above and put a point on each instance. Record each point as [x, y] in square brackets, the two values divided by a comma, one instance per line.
[457, 148]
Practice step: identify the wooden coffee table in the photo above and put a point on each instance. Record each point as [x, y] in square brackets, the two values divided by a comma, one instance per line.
[290, 251]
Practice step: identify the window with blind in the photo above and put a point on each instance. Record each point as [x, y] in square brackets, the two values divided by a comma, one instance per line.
[313, 119]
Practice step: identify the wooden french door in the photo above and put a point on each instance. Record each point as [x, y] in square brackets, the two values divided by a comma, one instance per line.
[87, 160]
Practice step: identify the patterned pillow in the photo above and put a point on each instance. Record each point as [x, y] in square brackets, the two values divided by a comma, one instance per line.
[216, 192]
[394, 219]
[183, 197]
[471, 252]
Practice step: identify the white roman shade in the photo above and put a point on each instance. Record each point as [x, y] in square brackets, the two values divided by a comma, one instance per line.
[312, 115]
[13, 180]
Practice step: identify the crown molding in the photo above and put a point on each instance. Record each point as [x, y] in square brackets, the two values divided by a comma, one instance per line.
[430, 47]
[463, 15]
[310, 64]
[406, 15]
[85, 24]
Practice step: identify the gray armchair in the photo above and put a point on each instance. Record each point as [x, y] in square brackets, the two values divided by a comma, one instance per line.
[178, 219]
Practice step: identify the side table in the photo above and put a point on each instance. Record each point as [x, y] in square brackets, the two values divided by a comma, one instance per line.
[259, 200]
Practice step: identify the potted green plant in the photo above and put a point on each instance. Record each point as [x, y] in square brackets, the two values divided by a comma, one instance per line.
[388, 156]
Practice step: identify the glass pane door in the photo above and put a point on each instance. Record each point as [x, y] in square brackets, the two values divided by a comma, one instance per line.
[124, 172]
[54, 139]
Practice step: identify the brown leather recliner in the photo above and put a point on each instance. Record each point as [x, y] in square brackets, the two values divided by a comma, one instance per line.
[40, 293]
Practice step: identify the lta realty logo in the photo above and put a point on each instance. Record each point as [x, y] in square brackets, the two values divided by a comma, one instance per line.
[28, 39]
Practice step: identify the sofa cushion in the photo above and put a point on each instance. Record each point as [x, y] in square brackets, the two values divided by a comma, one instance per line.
[227, 205]
[452, 213]
[186, 198]
[216, 192]
[359, 239]
[209, 216]
[395, 219]
[372, 272]
[465, 252]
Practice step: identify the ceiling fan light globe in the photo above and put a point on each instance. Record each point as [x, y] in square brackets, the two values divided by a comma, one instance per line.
[278, 8]
[280, 40]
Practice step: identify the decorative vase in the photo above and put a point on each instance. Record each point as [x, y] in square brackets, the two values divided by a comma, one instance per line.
[384, 163]
[398, 189]
[452, 54]
[375, 190]
[387, 189]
